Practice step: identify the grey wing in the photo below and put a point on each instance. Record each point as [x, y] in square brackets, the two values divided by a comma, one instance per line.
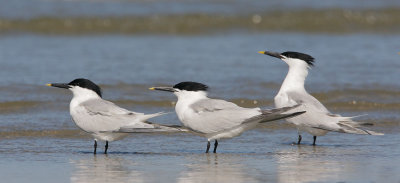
[102, 115]
[211, 105]
[107, 108]
[308, 101]
[317, 116]
[312, 102]
[212, 115]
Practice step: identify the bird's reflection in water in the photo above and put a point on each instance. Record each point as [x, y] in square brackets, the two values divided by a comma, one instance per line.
[214, 168]
[310, 164]
[104, 169]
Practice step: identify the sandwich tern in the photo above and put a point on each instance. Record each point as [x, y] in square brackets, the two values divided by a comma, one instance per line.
[104, 120]
[217, 119]
[317, 120]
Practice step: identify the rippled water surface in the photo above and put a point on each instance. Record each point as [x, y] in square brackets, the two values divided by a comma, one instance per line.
[353, 75]
[356, 72]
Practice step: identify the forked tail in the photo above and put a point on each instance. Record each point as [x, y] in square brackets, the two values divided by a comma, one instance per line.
[348, 128]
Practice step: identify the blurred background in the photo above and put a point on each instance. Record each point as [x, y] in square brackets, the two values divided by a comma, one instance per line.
[127, 46]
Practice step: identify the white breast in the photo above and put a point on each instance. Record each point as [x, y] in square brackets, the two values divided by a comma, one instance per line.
[185, 99]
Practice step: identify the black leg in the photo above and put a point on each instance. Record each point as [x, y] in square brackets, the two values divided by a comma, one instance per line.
[95, 146]
[315, 138]
[298, 142]
[215, 146]
[208, 146]
[106, 147]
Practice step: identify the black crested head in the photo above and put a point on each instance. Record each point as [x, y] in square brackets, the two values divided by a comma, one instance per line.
[85, 83]
[191, 86]
[302, 56]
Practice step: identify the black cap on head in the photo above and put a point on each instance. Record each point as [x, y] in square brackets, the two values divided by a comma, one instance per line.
[302, 56]
[191, 86]
[85, 83]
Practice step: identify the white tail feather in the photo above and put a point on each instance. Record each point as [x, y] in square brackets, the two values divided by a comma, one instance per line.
[145, 117]
[346, 127]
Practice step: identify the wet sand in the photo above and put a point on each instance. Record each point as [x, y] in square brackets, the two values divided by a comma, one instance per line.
[355, 73]
[39, 142]
[257, 156]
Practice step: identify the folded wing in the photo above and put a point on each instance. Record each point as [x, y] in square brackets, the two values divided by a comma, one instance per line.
[101, 116]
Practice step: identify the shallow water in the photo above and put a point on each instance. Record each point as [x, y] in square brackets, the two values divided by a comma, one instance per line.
[257, 156]
[355, 73]
[83, 17]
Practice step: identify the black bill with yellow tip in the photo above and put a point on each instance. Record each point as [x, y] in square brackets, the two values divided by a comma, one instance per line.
[272, 54]
[162, 88]
[59, 85]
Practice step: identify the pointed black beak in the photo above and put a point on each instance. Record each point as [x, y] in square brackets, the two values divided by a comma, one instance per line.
[59, 85]
[272, 54]
[161, 88]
